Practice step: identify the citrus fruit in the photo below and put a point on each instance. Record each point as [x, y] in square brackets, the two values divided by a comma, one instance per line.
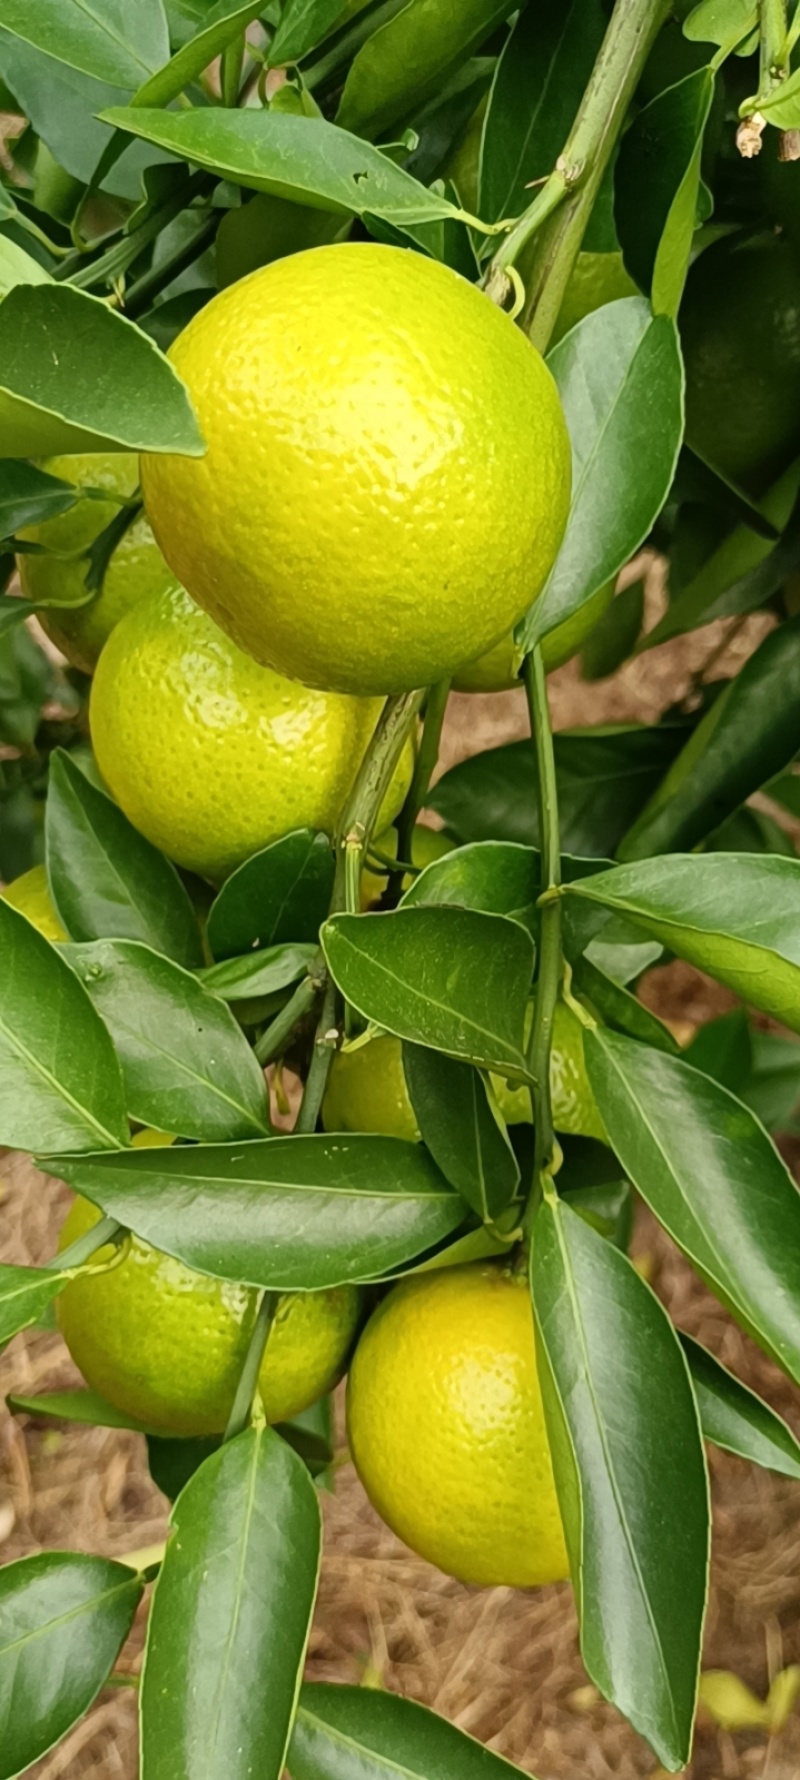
[446, 1427]
[427, 844]
[497, 670]
[136, 566]
[366, 514]
[211, 756]
[166, 1345]
[740, 333]
[30, 893]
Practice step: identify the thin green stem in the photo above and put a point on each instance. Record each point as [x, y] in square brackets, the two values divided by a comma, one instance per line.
[143, 289]
[116, 259]
[107, 1230]
[772, 22]
[550, 955]
[427, 756]
[326, 1039]
[274, 1039]
[242, 1410]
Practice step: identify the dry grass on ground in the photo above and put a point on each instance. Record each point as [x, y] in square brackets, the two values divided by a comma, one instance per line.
[504, 1665]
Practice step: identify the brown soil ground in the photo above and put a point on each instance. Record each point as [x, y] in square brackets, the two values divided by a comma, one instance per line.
[505, 1665]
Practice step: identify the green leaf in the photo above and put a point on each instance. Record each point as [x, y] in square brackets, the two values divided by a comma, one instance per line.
[110, 40]
[734, 1418]
[231, 1615]
[620, 379]
[708, 1170]
[277, 967]
[106, 880]
[61, 106]
[85, 1407]
[782, 107]
[29, 495]
[630, 1473]
[60, 1082]
[341, 1732]
[303, 25]
[724, 22]
[741, 573]
[18, 267]
[462, 1129]
[410, 57]
[773, 1090]
[26, 681]
[454, 979]
[657, 183]
[222, 24]
[289, 1213]
[13, 612]
[537, 88]
[603, 777]
[303, 159]
[172, 1463]
[25, 1293]
[749, 733]
[501, 877]
[186, 1064]
[734, 915]
[723, 1049]
[63, 1618]
[617, 1007]
[615, 634]
[49, 334]
[591, 1181]
[279, 895]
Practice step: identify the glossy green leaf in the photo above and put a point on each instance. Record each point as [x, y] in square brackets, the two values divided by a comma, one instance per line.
[263, 973]
[303, 159]
[18, 267]
[630, 1473]
[110, 40]
[620, 379]
[657, 183]
[25, 1293]
[537, 88]
[62, 107]
[29, 495]
[172, 1463]
[303, 24]
[63, 1618]
[724, 22]
[615, 634]
[231, 1615]
[60, 1082]
[186, 1064]
[733, 1417]
[708, 1170]
[732, 914]
[49, 333]
[501, 877]
[106, 880]
[289, 1213]
[455, 979]
[723, 1049]
[741, 572]
[749, 733]
[462, 1129]
[782, 108]
[222, 24]
[603, 776]
[410, 57]
[341, 1732]
[773, 1091]
[618, 1007]
[85, 1407]
[279, 895]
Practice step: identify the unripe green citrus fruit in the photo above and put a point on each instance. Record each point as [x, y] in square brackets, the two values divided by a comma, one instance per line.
[166, 1345]
[427, 844]
[497, 670]
[211, 756]
[447, 1431]
[388, 469]
[30, 893]
[135, 569]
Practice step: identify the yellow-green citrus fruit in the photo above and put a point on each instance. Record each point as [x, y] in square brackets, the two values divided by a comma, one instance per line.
[497, 670]
[740, 333]
[447, 1431]
[166, 1345]
[575, 1110]
[388, 469]
[596, 279]
[135, 569]
[211, 756]
[30, 893]
[427, 844]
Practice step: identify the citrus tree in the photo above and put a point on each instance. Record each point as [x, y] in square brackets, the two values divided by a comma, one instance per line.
[348, 352]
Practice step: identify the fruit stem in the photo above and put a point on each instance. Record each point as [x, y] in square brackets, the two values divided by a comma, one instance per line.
[551, 963]
[274, 1038]
[427, 757]
[107, 1230]
[246, 1389]
[560, 212]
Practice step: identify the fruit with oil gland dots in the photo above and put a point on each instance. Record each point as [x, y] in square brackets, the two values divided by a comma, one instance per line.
[498, 670]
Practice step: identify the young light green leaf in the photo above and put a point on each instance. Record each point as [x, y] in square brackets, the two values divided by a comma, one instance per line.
[222, 23]
[262, 973]
[630, 1473]
[109, 40]
[343, 1731]
[231, 1615]
[782, 108]
[407, 59]
[29, 495]
[303, 159]
[63, 1618]
[186, 1064]
[454, 979]
[25, 1293]
[749, 733]
[733, 1417]
[279, 895]
[60, 1082]
[303, 24]
[289, 1213]
[713, 1178]
[656, 186]
[106, 880]
[620, 379]
[732, 914]
[724, 22]
[49, 333]
[462, 1129]
[537, 88]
